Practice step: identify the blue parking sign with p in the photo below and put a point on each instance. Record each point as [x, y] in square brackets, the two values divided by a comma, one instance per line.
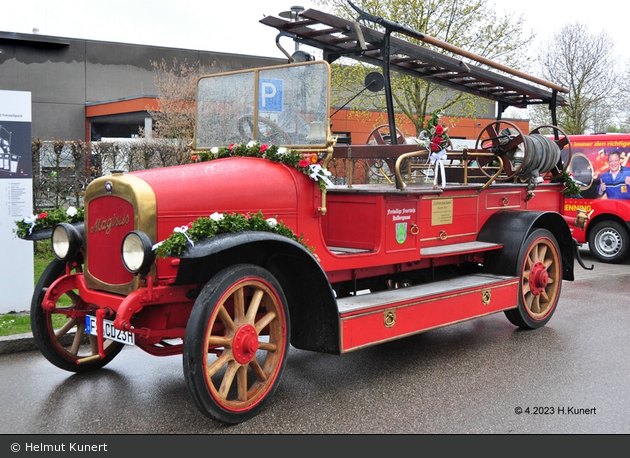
[270, 95]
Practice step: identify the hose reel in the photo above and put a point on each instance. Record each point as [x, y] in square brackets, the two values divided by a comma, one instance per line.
[530, 157]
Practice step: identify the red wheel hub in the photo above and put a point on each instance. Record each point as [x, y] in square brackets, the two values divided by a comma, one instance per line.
[245, 344]
[538, 278]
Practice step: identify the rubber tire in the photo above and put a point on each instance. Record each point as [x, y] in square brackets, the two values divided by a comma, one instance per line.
[206, 316]
[523, 316]
[44, 335]
[617, 231]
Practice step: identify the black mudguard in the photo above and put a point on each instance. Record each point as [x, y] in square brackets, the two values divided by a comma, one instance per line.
[312, 303]
[511, 228]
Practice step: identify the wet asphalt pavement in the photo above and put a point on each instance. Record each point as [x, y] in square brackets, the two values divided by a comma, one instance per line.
[483, 377]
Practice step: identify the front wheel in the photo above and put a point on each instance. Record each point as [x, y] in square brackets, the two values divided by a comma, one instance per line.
[608, 241]
[236, 343]
[540, 270]
[60, 333]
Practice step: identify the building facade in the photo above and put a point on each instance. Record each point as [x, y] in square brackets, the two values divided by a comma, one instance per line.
[85, 90]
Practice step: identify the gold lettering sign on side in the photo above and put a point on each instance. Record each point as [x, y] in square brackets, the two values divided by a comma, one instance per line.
[441, 212]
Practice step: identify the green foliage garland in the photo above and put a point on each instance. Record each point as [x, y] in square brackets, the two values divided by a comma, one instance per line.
[224, 223]
[46, 220]
[571, 188]
[300, 161]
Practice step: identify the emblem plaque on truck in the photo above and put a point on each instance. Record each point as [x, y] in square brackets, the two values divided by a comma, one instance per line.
[401, 232]
[109, 187]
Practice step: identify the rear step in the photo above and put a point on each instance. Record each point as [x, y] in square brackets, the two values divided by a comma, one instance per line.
[387, 315]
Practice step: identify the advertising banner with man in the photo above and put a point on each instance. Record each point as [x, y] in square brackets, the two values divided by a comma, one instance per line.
[16, 188]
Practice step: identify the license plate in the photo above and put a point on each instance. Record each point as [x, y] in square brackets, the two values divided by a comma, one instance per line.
[109, 331]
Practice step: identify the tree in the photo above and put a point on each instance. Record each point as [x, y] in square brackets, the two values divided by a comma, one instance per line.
[584, 64]
[468, 24]
[176, 84]
[624, 99]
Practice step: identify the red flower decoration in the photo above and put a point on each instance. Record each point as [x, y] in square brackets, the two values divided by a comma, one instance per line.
[263, 148]
[43, 215]
[436, 147]
[439, 130]
[231, 147]
[304, 163]
[194, 158]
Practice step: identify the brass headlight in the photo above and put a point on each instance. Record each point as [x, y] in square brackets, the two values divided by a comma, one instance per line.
[66, 241]
[137, 252]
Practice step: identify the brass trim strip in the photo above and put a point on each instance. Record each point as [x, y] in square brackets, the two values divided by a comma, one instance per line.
[430, 197]
[449, 237]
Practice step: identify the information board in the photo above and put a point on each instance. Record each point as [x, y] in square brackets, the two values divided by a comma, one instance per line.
[16, 191]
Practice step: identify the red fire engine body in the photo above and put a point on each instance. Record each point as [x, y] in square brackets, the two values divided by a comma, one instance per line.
[607, 231]
[386, 260]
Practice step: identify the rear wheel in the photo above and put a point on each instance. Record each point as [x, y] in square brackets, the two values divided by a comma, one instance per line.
[59, 335]
[540, 270]
[236, 343]
[608, 241]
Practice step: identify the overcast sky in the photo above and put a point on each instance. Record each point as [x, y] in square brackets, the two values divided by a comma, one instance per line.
[232, 25]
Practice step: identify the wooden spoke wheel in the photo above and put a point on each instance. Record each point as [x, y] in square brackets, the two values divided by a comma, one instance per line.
[381, 135]
[493, 139]
[236, 343]
[563, 143]
[60, 334]
[268, 131]
[540, 270]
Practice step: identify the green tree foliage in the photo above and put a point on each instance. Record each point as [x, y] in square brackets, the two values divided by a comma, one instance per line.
[583, 63]
[469, 24]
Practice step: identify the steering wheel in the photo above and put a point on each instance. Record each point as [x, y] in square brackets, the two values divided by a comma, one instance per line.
[268, 130]
[493, 139]
[381, 136]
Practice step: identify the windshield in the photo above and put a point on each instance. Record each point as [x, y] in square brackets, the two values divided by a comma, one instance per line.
[285, 105]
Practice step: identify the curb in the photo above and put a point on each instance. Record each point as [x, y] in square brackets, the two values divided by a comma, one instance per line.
[17, 343]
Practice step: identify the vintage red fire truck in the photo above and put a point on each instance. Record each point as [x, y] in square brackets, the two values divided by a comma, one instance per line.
[607, 231]
[256, 246]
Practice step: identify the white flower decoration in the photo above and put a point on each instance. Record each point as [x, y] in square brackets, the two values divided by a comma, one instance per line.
[215, 150]
[216, 216]
[30, 219]
[71, 211]
[251, 144]
[282, 151]
[272, 222]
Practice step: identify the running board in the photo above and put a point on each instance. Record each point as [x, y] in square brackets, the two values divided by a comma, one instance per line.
[375, 318]
[458, 248]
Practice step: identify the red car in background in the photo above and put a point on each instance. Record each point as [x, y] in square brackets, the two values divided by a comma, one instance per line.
[607, 231]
